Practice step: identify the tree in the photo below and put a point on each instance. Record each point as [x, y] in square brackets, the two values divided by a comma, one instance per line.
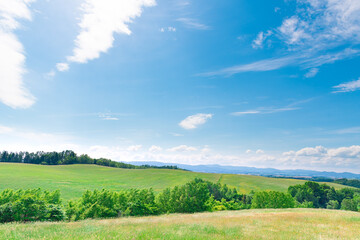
[272, 199]
[349, 204]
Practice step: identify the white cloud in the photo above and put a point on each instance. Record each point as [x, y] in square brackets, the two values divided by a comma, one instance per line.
[193, 23]
[195, 121]
[101, 20]
[258, 66]
[260, 151]
[317, 158]
[292, 30]
[313, 37]
[352, 130]
[312, 73]
[50, 74]
[323, 23]
[62, 67]
[314, 158]
[169, 29]
[348, 87]
[264, 111]
[336, 159]
[108, 116]
[134, 148]
[12, 58]
[5, 130]
[19, 139]
[245, 113]
[248, 151]
[182, 148]
[260, 39]
[305, 60]
[177, 134]
[154, 148]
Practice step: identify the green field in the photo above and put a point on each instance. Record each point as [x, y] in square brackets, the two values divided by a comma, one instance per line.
[247, 224]
[73, 180]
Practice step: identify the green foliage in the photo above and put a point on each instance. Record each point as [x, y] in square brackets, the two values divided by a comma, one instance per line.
[108, 204]
[323, 196]
[333, 204]
[189, 198]
[272, 199]
[214, 205]
[195, 196]
[311, 192]
[348, 182]
[30, 205]
[65, 158]
[304, 204]
[349, 204]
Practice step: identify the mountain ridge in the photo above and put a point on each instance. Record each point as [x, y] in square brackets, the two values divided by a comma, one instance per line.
[216, 168]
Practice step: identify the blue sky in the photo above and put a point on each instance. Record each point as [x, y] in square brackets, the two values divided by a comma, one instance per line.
[250, 83]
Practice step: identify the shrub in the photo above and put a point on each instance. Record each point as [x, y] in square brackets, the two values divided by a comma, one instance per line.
[349, 204]
[108, 204]
[304, 204]
[333, 204]
[30, 205]
[189, 198]
[272, 199]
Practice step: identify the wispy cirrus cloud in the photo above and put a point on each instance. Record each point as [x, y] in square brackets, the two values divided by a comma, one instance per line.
[307, 60]
[258, 66]
[352, 130]
[194, 121]
[312, 73]
[347, 87]
[269, 110]
[312, 37]
[13, 92]
[264, 111]
[193, 23]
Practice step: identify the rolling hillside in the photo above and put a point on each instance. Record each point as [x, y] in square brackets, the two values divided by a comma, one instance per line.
[247, 224]
[73, 180]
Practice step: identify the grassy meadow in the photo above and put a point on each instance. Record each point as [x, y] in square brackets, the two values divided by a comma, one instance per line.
[284, 224]
[73, 180]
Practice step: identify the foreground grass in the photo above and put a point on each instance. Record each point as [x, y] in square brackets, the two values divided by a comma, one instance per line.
[73, 180]
[247, 224]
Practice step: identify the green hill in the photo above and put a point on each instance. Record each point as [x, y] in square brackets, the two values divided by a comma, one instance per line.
[247, 224]
[73, 180]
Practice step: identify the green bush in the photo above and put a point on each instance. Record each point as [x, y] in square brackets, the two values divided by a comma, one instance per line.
[272, 199]
[108, 204]
[189, 198]
[333, 204]
[30, 205]
[349, 205]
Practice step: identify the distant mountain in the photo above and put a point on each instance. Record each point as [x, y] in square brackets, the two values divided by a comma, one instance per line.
[255, 171]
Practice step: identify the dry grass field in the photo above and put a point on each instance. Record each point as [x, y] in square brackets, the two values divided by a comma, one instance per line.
[284, 224]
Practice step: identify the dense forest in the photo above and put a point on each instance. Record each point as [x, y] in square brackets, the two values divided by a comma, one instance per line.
[65, 158]
[195, 196]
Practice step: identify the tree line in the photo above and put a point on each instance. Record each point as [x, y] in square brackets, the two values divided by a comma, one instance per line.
[195, 196]
[66, 158]
[343, 181]
[348, 182]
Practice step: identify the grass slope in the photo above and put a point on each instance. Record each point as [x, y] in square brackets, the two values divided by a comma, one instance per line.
[73, 180]
[247, 224]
